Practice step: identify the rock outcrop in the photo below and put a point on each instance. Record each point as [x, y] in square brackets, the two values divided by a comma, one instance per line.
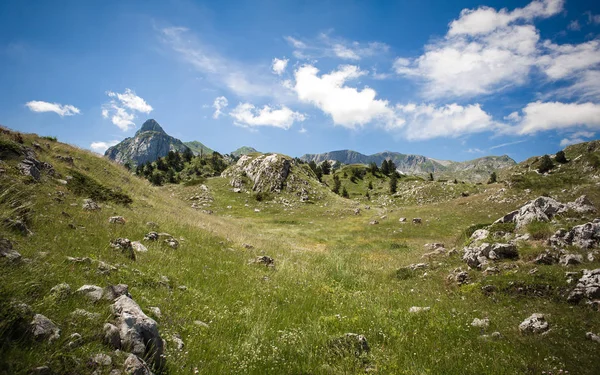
[478, 256]
[149, 143]
[268, 173]
[138, 332]
[535, 324]
[588, 287]
[43, 328]
[584, 236]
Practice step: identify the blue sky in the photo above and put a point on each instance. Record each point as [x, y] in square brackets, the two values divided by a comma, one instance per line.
[446, 79]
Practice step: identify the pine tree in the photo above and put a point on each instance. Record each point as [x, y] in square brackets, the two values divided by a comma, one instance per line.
[560, 157]
[370, 185]
[336, 184]
[493, 178]
[326, 167]
[430, 176]
[545, 164]
[393, 183]
[345, 193]
[384, 167]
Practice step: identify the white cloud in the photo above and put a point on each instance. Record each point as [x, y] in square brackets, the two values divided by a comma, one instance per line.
[574, 25]
[347, 106]
[303, 130]
[542, 116]
[484, 19]
[121, 108]
[59, 109]
[593, 18]
[506, 144]
[475, 151]
[247, 115]
[278, 66]
[130, 100]
[427, 121]
[326, 45]
[219, 104]
[101, 147]
[565, 60]
[577, 137]
[241, 78]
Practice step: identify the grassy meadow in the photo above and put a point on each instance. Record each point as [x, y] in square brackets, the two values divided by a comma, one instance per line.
[334, 273]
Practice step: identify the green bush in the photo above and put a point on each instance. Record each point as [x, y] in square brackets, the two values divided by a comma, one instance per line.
[262, 196]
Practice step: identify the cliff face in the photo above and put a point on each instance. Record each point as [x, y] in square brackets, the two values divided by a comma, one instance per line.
[149, 143]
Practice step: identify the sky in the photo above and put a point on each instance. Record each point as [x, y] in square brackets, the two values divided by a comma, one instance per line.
[453, 80]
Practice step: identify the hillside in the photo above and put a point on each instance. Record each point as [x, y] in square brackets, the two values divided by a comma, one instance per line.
[244, 274]
[477, 170]
[198, 148]
[149, 143]
[244, 150]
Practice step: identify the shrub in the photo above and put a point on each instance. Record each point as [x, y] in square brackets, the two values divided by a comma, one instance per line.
[560, 157]
[345, 193]
[262, 196]
[493, 178]
[545, 164]
[50, 138]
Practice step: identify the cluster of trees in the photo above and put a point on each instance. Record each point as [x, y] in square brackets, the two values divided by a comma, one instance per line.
[324, 168]
[177, 167]
[546, 163]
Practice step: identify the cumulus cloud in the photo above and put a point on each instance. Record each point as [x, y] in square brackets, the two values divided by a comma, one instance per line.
[488, 50]
[426, 121]
[59, 109]
[122, 108]
[574, 25]
[101, 147]
[278, 66]
[219, 104]
[247, 115]
[347, 106]
[577, 137]
[542, 116]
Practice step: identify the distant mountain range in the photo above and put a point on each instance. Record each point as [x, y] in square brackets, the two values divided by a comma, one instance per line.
[476, 170]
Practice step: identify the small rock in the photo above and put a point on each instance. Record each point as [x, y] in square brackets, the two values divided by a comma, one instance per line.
[373, 222]
[116, 220]
[200, 323]
[112, 292]
[266, 260]
[60, 291]
[402, 220]
[571, 259]
[92, 292]
[43, 328]
[125, 246]
[42, 370]
[101, 359]
[90, 205]
[351, 342]
[81, 313]
[178, 342]
[111, 336]
[155, 311]
[417, 220]
[75, 341]
[172, 243]
[133, 365]
[481, 323]
[535, 324]
[152, 236]
[593, 337]
[418, 309]
[6, 250]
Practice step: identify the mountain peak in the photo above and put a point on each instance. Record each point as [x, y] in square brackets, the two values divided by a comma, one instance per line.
[151, 126]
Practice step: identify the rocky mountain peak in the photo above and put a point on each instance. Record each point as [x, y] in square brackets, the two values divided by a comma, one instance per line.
[151, 126]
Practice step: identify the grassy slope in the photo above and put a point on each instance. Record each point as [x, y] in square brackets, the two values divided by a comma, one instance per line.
[334, 274]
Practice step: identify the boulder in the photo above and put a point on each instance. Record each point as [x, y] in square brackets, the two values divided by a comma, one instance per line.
[133, 365]
[478, 256]
[139, 333]
[571, 259]
[92, 292]
[125, 246]
[547, 258]
[268, 173]
[535, 324]
[539, 209]
[588, 287]
[582, 205]
[30, 167]
[479, 235]
[584, 236]
[43, 328]
[151, 236]
[112, 292]
[139, 247]
[111, 336]
[90, 205]
[7, 251]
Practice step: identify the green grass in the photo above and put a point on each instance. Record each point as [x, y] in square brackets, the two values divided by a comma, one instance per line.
[334, 273]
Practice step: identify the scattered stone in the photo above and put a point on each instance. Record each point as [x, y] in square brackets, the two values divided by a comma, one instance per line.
[593, 337]
[478, 256]
[417, 220]
[43, 328]
[179, 344]
[459, 276]
[182, 287]
[75, 341]
[571, 259]
[105, 268]
[101, 359]
[172, 243]
[200, 323]
[30, 167]
[535, 324]
[7, 251]
[111, 336]
[152, 236]
[116, 220]
[139, 247]
[402, 220]
[373, 222]
[247, 246]
[547, 258]
[90, 205]
[133, 365]
[152, 225]
[587, 287]
[139, 333]
[491, 271]
[85, 260]
[155, 311]
[42, 370]
[479, 235]
[266, 260]
[351, 343]
[582, 205]
[92, 292]
[112, 292]
[418, 309]
[60, 291]
[481, 323]
[125, 246]
[489, 289]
